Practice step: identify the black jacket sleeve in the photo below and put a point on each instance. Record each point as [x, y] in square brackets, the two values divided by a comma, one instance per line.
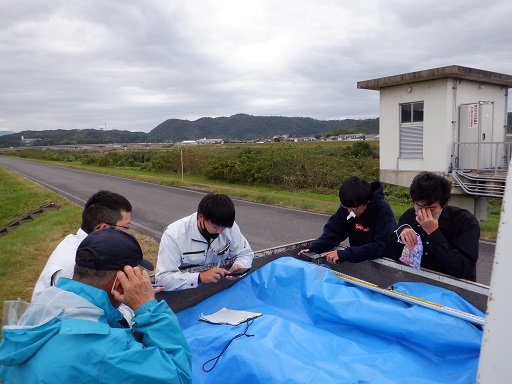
[334, 232]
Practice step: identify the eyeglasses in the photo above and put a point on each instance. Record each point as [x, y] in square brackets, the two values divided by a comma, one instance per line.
[151, 274]
[432, 206]
[127, 227]
[352, 208]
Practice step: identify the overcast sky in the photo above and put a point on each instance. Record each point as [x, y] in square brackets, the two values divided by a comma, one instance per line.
[132, 64]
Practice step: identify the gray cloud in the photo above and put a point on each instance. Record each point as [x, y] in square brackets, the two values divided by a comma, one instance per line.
[133, 64]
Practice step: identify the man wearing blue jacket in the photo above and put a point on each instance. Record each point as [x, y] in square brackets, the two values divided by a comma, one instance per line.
[364, 217]
[73, 332]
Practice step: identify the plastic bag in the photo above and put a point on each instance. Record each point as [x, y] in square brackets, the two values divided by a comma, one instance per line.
[411, 257]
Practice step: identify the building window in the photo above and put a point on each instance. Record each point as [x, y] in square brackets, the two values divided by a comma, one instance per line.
[411, 130]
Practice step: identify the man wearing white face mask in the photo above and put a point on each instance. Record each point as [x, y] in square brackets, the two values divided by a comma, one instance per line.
[208, 236]
[449, 235]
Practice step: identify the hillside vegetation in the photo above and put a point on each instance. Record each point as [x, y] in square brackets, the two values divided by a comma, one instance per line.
[292, 166]
[247, 127]
[70, 137]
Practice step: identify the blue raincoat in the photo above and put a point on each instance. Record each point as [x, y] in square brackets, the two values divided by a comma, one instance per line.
[71, 334]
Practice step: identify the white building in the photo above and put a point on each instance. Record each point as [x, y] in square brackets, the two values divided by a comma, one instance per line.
[210, 141]
[188, 142]
[449, 120]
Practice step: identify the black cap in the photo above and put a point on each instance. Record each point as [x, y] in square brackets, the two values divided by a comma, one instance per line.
[113, 249]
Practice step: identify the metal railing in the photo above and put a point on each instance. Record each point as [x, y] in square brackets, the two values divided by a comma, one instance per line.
[480, 168]
[493, 155]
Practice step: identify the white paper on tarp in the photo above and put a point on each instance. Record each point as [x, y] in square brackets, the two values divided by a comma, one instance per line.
[229, 316]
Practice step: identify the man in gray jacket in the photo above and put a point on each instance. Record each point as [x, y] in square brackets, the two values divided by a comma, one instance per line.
[209, 236]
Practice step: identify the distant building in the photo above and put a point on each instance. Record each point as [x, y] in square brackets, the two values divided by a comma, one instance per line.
[28, 141]
[210, 141]
[357, 136]
[285, 137]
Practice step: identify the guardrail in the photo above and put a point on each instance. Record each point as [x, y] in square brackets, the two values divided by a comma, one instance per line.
[481, 156]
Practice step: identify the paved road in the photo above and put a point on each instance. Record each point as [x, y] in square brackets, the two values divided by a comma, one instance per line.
[155, 206]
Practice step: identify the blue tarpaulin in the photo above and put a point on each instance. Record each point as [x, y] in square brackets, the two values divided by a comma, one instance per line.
[318, 328]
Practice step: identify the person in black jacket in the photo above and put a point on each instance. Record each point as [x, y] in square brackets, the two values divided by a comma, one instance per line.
[449, 235]
[364, 217]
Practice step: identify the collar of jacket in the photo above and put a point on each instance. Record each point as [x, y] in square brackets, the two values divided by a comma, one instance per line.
[96, 296]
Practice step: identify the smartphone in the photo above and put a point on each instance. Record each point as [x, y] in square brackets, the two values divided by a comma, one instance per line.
[157, 285]
[238, 272]
[311, 255]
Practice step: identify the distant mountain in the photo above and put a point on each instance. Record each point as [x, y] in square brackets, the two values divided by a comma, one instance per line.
[241, 126]
[70, 137]
[246, 127]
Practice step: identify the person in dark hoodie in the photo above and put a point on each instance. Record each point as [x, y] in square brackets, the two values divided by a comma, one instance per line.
[364, 217]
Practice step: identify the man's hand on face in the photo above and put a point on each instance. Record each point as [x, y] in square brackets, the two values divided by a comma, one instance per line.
[136, 287]
[425, 219]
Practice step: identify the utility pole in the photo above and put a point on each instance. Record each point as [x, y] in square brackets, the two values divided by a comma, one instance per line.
[181, 153]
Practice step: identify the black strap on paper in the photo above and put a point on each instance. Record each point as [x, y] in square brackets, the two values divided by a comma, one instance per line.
[216, 358]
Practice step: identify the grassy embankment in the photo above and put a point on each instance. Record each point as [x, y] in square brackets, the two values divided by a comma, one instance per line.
[24, 251]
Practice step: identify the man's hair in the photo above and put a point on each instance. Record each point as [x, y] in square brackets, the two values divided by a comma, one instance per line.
[104, 207]
[217, 208]
[428, 187]
[91, 276]
[355, 192]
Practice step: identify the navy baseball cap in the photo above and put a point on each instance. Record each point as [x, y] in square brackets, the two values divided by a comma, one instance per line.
[113, 249]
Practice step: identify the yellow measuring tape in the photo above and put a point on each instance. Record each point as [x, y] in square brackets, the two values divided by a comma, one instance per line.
[478, 320]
